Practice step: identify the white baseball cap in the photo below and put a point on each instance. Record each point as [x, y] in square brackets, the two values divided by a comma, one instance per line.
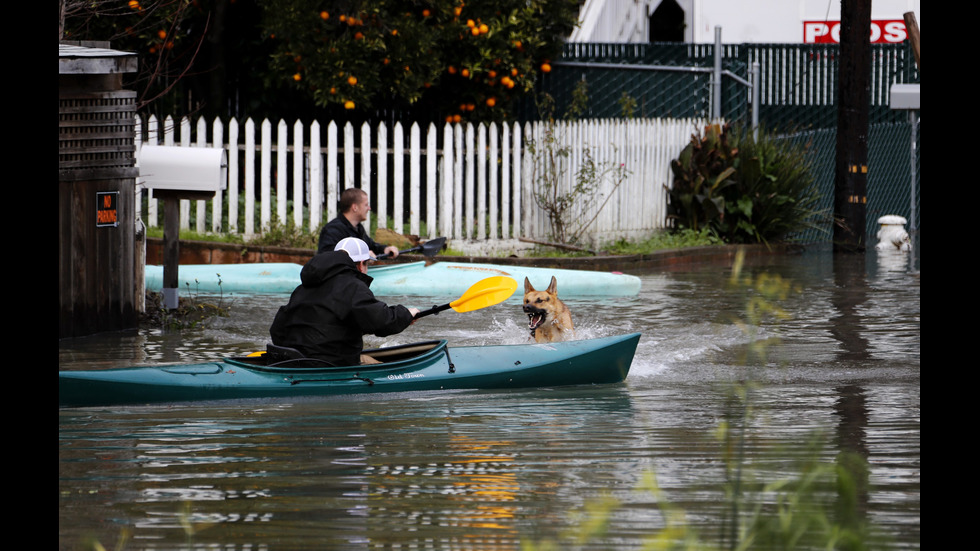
[357, 249]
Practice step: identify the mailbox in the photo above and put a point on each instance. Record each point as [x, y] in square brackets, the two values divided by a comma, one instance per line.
[188, 169]
[904, 96]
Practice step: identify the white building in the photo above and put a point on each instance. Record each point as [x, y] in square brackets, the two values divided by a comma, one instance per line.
[741, 21]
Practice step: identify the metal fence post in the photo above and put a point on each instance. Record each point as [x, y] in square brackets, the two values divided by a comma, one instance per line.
[913, 122]
[716, 75]
[755, 99]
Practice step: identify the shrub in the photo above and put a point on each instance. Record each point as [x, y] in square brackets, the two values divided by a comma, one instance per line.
[745, 189]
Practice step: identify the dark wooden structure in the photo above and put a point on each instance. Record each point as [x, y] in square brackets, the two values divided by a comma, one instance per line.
[96, 191]
[853, 100]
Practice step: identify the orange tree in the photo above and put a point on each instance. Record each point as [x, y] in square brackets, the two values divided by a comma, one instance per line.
[455, 60]
[194, 56]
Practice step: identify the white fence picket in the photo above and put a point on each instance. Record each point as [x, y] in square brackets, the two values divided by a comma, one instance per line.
[476, 181]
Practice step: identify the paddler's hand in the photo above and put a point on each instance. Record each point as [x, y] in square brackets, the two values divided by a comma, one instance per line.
[392, 250]
[414, 312]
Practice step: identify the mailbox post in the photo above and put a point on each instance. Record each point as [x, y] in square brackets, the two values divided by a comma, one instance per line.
[175, 173]
[905, 97]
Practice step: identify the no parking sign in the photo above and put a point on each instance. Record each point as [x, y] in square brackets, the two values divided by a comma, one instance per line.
[106, 211]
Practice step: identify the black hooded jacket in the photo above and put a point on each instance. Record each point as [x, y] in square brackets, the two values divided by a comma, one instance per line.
[332, 309]
[339, 228]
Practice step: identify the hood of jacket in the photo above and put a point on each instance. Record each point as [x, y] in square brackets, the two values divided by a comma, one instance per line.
[327, 265]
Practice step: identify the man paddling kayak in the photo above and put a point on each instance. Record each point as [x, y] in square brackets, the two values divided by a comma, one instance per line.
[354, 208]
[333, 308]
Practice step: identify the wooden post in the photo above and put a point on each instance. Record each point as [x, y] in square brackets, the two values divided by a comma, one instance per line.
[851, 170]
[171, 240]
[171, 252]
[912, 28]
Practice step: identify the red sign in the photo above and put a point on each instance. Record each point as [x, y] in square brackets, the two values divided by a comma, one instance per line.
[886, 31]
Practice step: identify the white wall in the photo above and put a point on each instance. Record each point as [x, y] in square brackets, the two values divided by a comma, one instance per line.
[742, 21]
[772, 21]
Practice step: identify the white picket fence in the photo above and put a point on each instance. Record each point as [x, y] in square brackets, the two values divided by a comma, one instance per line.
[474, 182]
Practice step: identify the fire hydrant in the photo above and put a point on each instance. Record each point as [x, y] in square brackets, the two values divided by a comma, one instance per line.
[892, 235]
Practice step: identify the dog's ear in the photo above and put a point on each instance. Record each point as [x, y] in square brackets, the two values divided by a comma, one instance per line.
[527, 286]
[553, 286]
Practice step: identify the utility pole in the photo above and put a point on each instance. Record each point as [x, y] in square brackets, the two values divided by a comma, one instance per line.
[851, 169]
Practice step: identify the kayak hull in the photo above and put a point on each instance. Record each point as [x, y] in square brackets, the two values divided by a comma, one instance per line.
[438, 367]
[439, 279]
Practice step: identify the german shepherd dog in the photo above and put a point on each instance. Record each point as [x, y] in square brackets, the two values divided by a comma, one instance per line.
[548, 318]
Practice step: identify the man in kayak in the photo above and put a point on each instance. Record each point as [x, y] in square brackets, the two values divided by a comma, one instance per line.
[354, 208]
[333, 308]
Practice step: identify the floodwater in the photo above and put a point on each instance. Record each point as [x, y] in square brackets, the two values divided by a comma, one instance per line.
[838, 372]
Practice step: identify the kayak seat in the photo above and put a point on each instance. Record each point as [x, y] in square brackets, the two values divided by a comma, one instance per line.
[276, 355]
[279, 353]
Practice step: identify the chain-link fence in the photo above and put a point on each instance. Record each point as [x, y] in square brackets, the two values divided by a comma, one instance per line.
[893, 174]
[798, 98]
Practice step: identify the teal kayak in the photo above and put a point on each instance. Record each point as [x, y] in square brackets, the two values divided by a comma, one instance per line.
[410, 279]
[424, 366]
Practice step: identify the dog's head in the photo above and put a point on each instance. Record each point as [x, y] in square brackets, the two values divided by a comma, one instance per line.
[539, 305]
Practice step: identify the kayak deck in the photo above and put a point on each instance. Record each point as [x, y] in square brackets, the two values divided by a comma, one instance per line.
[407, 279]
[430, 365]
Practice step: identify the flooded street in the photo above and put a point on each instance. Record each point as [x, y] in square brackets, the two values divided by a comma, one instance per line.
[836, 372]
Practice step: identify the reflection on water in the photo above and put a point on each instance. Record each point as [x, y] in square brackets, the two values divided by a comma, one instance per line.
[482, 470]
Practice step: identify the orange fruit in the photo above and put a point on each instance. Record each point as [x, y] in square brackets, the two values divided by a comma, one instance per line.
[425, 13]
[162, 34]
[134, 4]
[492, 74]
[352, 80]
[475, 31]
[545, 67]
[484, 28]
[358, 35]
[491, 102]
[452, 70]
[470, 23]
[465, 72]
[324, 15]
[297, 77]
[348, 104]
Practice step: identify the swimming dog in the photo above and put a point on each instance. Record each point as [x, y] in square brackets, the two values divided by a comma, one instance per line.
[548, 318]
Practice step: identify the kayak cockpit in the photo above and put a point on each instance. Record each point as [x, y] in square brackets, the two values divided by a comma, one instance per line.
[284, 358]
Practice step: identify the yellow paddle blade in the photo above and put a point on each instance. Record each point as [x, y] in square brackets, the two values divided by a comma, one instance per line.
[486, 292]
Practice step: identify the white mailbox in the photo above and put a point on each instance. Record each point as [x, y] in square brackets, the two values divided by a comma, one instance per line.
[904, 96]
[193, 169]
